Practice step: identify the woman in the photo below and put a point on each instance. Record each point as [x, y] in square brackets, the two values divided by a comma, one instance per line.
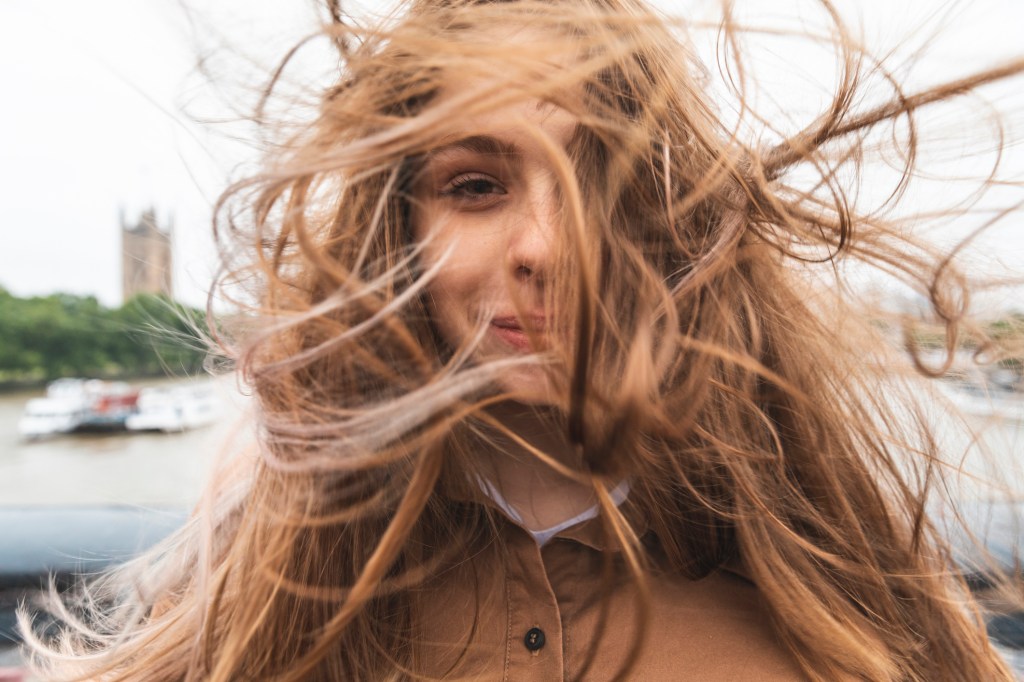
[541, 394]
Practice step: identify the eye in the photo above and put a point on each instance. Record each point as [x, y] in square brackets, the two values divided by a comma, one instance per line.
[473, 188]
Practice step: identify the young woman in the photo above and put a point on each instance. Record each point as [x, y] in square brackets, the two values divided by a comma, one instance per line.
[548, 386]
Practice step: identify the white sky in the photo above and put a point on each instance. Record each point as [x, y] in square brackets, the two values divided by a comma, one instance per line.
[92, 121]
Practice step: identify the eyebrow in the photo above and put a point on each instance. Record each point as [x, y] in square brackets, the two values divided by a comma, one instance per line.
[477, 144]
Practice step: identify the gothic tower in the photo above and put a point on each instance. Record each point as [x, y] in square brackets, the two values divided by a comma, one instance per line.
[146, 262]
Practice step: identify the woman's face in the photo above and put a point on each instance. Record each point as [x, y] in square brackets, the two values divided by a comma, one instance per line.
[487, 202]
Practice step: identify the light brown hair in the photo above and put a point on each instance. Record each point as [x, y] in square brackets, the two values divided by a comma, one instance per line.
[746, 418]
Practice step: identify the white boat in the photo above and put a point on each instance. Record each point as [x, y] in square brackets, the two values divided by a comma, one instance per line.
[78, 405]
[50, 416]
[175, 408]
[984, 400]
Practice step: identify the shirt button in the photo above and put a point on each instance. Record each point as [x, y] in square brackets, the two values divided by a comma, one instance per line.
[534, 639]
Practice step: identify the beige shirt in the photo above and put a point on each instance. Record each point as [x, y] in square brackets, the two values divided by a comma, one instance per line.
[532, 614]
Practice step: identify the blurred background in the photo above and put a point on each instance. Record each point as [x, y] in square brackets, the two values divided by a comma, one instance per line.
[123, 121]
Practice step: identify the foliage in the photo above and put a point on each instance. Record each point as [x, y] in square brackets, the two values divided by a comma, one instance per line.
[1002, 338]
[47, 337]
[1010, 327]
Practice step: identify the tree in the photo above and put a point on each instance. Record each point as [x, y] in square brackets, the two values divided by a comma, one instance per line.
[47, 337]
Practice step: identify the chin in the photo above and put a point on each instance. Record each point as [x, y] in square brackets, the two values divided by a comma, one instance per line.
[530, 386]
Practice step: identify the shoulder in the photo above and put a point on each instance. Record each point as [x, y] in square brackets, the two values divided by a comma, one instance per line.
[718, 626]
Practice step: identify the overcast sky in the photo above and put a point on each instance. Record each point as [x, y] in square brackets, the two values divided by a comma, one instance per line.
[99, 100]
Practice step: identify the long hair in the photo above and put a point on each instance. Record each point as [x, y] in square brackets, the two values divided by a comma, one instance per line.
[707, 361]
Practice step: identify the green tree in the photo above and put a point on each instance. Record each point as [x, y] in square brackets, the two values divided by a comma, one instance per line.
[47, 337]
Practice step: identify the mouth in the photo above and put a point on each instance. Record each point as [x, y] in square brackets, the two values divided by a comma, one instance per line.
[510, 329]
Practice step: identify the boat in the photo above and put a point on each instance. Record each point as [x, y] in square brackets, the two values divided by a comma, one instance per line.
[78, 405]
[174, 408]
[984, 400]
[48, 416]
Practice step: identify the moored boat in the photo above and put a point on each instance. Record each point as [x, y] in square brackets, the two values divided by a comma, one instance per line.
[984, 400]
[174, 408]
[48, 416]
[78, 405]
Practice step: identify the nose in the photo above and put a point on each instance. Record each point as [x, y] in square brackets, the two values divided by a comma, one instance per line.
[532, 242]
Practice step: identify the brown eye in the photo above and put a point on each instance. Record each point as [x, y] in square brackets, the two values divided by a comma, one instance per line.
[473, 186]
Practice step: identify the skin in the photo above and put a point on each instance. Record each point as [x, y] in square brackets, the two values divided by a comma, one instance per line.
[487, 203]
[489, 198]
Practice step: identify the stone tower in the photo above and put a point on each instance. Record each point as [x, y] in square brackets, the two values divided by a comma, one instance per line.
[146, 262]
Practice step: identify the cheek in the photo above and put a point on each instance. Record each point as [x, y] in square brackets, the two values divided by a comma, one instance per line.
[470, 280]
[472, 259]
[457, 293]
[458, 290]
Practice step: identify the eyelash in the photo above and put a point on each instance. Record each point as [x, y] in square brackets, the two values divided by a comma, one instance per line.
[461, 187]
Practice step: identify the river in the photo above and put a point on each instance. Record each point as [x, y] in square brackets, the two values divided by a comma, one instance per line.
[124, 468]
[156, 470]
[169, 470]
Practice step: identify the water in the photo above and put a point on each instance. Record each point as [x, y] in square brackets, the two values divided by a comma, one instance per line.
[983, 455]
[126, 468]
[169, 470]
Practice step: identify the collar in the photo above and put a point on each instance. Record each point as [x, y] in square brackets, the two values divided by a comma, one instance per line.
[561, 529]
[589, 532]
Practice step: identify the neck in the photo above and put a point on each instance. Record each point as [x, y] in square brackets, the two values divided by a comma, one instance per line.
[539, 493]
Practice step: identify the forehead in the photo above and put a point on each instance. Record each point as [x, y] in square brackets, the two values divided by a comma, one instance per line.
[509, 130]
[505, 90]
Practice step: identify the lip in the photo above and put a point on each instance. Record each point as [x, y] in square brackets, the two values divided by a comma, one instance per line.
[509, 328]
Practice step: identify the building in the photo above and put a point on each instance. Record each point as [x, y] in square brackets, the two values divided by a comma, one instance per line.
[146, 257]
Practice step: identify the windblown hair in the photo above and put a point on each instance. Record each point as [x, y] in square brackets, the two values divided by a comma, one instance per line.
[749, 420]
